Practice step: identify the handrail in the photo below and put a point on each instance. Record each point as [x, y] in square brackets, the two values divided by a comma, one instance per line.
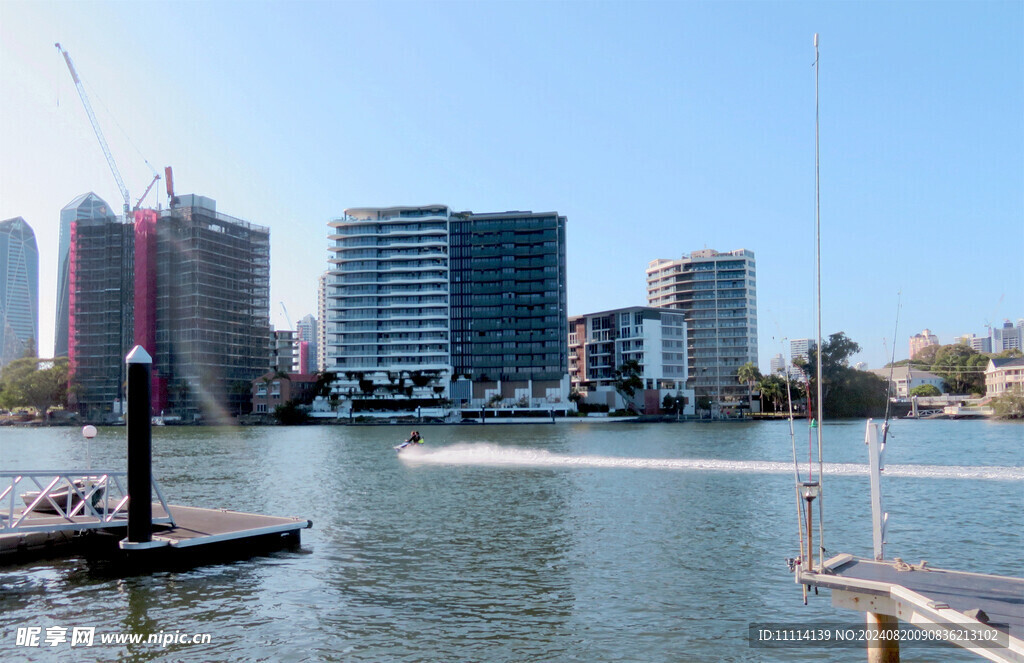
[67, 500]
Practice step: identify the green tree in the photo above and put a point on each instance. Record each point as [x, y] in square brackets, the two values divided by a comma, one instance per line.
[835, 356]
[673, 404]
[773, 387]
[24, 384]
[1009, 405]
[925, 357]
[846, 392]
[925, 390]
[749, 375]
[627, 380]
[290, 414]
[962, 367]
[30, 349]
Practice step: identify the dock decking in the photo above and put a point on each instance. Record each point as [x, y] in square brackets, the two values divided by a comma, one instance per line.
[195, 530]
[931, 599]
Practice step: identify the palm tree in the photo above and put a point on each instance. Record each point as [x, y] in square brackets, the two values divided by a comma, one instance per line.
[749, 374]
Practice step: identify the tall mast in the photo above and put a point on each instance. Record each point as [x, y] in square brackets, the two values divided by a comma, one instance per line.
[817, 235]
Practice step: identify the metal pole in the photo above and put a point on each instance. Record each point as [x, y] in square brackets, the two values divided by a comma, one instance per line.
[140, 471]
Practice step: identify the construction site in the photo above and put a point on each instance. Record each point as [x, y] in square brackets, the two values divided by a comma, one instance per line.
[188, 283]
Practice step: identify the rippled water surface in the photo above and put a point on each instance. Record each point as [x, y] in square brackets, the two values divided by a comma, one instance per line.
[568, 542]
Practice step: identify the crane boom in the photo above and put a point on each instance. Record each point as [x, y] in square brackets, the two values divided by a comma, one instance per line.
[287, 317]
[146, 192]
[96, 128]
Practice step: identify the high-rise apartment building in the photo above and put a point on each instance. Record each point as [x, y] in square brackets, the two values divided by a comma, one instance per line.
[599, 343]
[191, 286]
[86, 207]
[509, 307]
[982, 344]
[718, 294]
[468, 305]
[306, 332]
[800, 350]
[19, 290]
[387, 301]
[284, 351]
[321, 321]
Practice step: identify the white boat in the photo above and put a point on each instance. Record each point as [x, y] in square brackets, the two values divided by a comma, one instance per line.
[59, 497]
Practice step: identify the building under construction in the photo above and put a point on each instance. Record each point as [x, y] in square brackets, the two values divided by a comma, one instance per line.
[190, 285]
[100, 325]
[212, 309]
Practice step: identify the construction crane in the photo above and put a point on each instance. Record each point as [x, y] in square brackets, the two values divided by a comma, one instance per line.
[146, 192]
[99, 136]
[287, 317]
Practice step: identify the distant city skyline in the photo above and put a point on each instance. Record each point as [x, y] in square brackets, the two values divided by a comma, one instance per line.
[696, 129]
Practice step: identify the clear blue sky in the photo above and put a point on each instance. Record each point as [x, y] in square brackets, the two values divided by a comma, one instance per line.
[656, 128]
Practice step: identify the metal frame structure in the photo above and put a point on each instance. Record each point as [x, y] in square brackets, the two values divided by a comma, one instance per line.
[95, 500]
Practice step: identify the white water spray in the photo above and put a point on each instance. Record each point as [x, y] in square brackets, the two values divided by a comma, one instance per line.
[496, 455]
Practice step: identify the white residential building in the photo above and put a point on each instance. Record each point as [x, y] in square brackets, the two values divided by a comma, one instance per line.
[599, 343]
[905, 379]
[306, 332]
[321, 322]
[801, 349]
[387, 292]
[717, 293]
[1003, 376]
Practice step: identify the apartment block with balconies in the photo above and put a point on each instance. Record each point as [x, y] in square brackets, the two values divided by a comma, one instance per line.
[718, 294]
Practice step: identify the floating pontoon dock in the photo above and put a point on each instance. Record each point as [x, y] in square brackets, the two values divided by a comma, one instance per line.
[94, 518]
[89, 512]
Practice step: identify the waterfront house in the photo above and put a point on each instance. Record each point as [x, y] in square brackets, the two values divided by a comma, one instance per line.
[1004, 375]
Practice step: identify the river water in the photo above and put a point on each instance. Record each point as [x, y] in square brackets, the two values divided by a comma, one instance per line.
[569, 542]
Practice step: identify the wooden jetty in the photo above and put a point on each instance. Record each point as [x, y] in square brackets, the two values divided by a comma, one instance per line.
[979, 612]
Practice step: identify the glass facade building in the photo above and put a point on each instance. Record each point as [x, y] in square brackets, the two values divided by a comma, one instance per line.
[509, 306]
[477, 302]
[85, 207]
[19, 289]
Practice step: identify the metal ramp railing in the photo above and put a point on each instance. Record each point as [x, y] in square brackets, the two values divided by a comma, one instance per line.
[50, 500]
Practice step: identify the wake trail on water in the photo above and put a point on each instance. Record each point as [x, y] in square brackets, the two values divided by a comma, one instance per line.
[496, 455]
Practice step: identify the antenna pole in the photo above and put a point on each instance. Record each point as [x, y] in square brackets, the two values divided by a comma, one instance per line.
[817, 234]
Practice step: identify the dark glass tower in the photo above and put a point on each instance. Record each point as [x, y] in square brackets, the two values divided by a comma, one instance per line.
[87, 206]
[508, 301]
[19, 289]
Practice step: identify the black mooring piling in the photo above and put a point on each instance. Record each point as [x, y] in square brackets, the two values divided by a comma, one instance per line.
[140, 452]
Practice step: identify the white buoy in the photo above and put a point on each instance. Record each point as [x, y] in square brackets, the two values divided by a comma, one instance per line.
[88, 432]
